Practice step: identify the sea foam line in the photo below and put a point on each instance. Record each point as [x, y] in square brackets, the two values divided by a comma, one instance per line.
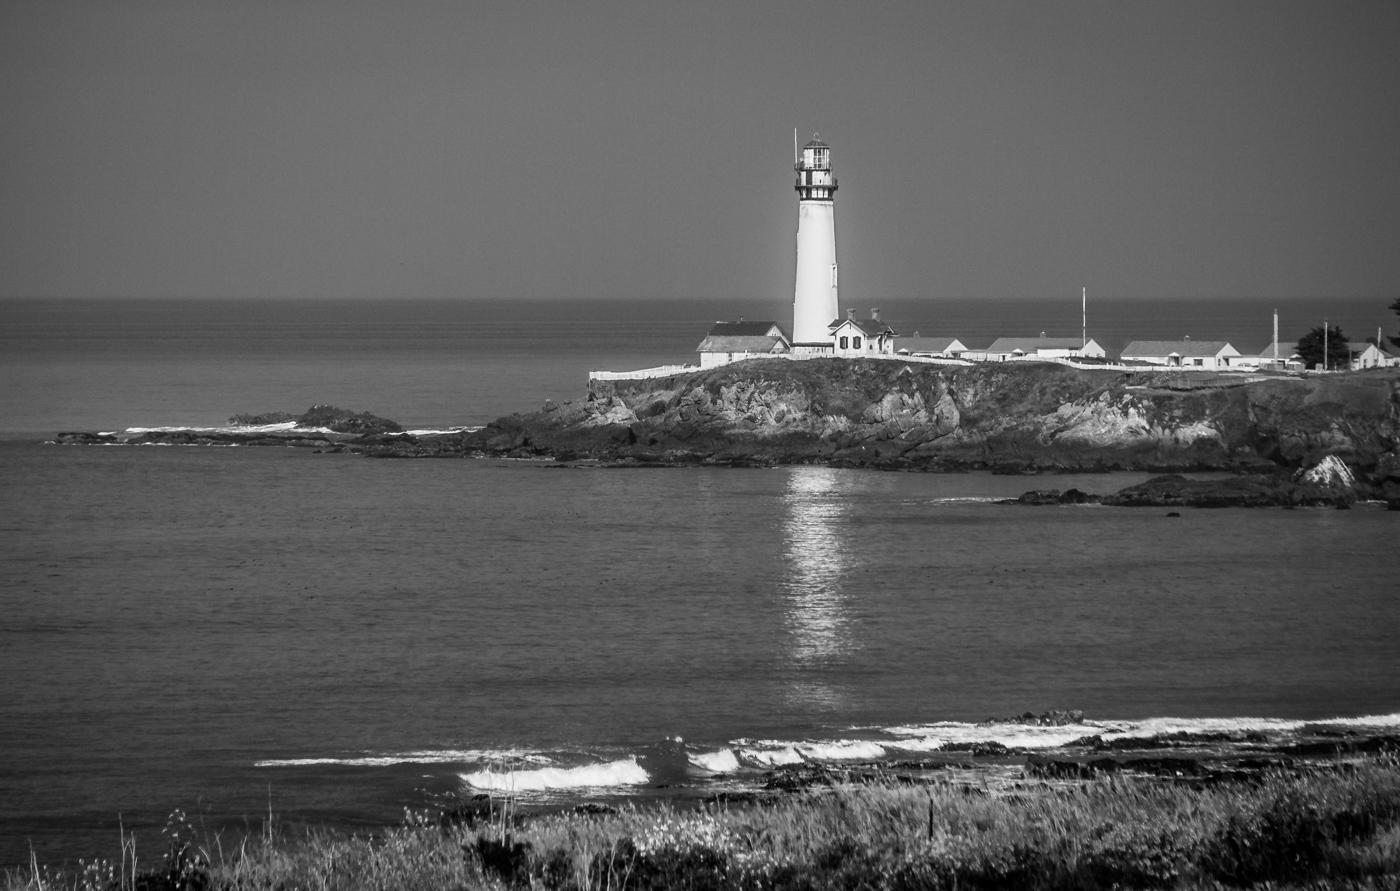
[442, 756]
[626, 772]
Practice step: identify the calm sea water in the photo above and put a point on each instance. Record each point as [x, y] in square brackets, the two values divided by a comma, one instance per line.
[220, 629]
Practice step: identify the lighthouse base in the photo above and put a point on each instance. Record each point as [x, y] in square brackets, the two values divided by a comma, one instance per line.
[814, 349]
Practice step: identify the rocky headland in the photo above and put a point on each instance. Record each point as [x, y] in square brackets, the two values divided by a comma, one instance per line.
[1018, 417]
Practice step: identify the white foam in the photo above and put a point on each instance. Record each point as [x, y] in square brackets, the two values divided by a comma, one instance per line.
[772, 757]
[429, 432]
[443, 756]
[722, 761]
[286, 427]
[1366, 721]
[927, 737]
[614, 773]
[775, 752]
[841, 750]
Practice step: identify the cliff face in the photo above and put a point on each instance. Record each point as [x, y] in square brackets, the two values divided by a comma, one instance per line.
[1012, 416]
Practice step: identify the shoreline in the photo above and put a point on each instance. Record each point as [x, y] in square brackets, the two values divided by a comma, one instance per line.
[1327, 820]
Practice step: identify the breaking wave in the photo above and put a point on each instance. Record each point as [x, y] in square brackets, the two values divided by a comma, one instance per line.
[626, 772]
[722, 761]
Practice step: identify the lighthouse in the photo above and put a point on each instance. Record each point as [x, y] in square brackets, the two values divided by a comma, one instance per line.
[814, 305]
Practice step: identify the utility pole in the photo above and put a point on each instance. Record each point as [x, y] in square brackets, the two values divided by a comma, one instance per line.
[1324, 344]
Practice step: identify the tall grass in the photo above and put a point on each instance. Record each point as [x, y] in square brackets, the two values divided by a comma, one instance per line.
[1321, 829]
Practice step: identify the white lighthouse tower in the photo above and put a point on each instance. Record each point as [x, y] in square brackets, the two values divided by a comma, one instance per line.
[814, 305]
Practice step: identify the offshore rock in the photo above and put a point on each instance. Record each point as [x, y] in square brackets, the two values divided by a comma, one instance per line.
[1057, 718]
[338, 420]
[1175, 490]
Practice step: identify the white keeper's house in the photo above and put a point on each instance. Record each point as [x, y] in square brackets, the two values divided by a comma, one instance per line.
[731, 341]
[1004, 348]
[853, 338]
[1186, 353]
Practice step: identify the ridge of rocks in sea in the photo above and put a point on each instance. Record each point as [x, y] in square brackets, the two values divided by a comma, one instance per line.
[338, 420]
[1003, 417]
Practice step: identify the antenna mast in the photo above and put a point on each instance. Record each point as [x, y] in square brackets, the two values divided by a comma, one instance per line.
[795, 156]
[1083, 318]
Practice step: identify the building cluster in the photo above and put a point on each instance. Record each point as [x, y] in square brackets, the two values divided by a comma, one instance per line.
[819, 331]
[872, 337]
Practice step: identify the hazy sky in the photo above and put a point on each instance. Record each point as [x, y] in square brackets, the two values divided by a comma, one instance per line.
[645, 150]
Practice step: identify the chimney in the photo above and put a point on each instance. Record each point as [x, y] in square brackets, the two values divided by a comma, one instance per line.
[851, 314]
[875, 314]
[1042, 335]
[1187, 338]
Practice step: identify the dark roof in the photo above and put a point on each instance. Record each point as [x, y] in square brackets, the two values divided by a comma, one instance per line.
[868, 327]
[745, 329]
[742, 344]
[816, 143]
[926, 344]
[1183, 348]
[1031, 344]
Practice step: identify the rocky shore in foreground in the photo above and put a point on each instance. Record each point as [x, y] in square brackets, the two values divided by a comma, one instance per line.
[1321, 820]
[1006, 418]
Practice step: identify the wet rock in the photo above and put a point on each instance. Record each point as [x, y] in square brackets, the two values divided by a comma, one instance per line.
[1056, 718]
[976, 749]
[1055, 496]
[1174, 490]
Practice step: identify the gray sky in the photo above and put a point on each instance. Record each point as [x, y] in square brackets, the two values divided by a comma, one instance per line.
[644, 150]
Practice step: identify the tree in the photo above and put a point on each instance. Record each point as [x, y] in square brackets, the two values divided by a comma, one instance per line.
[1394, 338]
[1338, 352]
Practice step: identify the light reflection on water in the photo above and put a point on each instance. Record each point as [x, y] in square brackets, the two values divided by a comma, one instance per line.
[818, 562]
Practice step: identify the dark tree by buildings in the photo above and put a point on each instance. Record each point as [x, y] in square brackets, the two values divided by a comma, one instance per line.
[1338, 352]
[1394, 338]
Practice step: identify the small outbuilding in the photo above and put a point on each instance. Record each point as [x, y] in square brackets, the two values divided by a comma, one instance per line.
[942, 347]
[1004, 348]
[1369, 355]
[733, 341]
[1186, 353]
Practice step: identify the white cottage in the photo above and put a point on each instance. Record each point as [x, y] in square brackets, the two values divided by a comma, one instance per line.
[1186, 353]
[854, 338]
[1004, 348]
[733, 341]
[1369, 355]
[945, 347]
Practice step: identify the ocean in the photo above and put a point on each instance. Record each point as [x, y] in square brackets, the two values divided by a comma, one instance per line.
[336, 639]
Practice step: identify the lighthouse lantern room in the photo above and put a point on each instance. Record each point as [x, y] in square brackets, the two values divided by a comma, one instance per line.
[814, 306]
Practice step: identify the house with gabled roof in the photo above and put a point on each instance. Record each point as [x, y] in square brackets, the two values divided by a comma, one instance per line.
[1185, 353]
[1369, 355]
[732, 341]
[854, 338]
[1004, 348]
[1280, 357]
[944, 347]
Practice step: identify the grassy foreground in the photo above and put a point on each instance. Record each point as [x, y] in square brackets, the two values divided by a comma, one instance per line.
[1334, 828]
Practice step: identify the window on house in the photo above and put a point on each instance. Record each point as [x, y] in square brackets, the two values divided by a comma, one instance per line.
[843, 343]
[855, 342]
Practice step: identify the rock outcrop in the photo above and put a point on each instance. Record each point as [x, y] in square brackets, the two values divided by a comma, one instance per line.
[1011, 417]
[338, 420]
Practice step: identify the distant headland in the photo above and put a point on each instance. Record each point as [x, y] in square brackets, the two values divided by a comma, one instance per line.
[891, 415]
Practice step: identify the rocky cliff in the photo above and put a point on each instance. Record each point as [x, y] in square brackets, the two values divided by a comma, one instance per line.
[1011, 417]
